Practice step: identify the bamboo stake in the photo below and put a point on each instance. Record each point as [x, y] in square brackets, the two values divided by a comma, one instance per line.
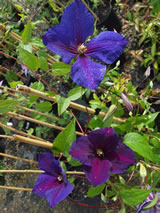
[40, 113]
[27, 90]
[38, 171]
[22, 117]
[31, 141]
[21, 132]
[18, 158]
[60, 4]
[15, 188]
[18, 38]
[94, 15]
[22, 171]
[5, 136]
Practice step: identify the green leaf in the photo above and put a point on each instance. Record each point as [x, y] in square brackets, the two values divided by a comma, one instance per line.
[7, 105]
[156, 5]
[37, 86]
[63, 104]
[11, 76]
[95, 191]
[139, 144]
[14, 84]
[153, 202]
[76, 93]
[133, 197]
[44, 106]
[60, 68]
[27, 33]
[153, 48]
[30, 60]
[72, 161]
[44, 64]
[65, 138]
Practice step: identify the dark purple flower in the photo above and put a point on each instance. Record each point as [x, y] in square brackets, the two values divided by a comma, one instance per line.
[101, 152]
[68, 41]
[149, 199]
[52, 184]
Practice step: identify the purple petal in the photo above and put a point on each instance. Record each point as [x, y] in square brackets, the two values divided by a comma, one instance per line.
[104, 138]
[106, 47]
[49, 187]
[57, 39]
[75, 26]
[44, 183]
[81, 150]
[123, 159]
[78, 21]
[99, 172]
[48, 163]
[58, 193]
[87, 73]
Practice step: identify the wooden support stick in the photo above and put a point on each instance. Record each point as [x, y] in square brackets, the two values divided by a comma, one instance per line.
[27, 90]
[18, 38]
[16, 188]
[91, 11]
[22, 117]
[31, 141]
[18, 158]
[38, 171]
[21, 132]
[40, 113]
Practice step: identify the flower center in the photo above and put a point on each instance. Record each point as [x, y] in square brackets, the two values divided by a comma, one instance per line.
[100, 153]
[82, 49]
[60, 178]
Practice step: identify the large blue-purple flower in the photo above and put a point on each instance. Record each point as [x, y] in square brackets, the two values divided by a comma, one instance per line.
[52, 184]
[68, 40]
[101, 152]
[152, 196]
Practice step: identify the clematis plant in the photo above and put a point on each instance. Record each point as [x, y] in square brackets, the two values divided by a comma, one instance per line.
[102, 153]
[68, 40]
[52, 184]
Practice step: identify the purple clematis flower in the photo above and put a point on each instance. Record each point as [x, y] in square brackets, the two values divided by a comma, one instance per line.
[68, 40]
[52, 184]
[149, 199]
[101, 152]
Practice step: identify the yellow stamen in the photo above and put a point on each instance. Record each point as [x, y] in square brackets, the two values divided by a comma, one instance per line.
[60, 178]
[99, 152]
[82, 49]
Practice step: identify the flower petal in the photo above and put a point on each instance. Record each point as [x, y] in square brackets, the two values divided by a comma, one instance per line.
[87, 73]
[123, 159]
[49, 187]
[44, 183]
[81, 150]
[99, 171]
[48, 163]
[78, 21]
[58, 40]
[58, 193]
[75, 26]
[104, 138]
[106, 47]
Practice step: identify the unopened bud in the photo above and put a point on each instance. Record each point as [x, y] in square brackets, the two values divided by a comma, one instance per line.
[127, 102]
[148, 72]
[112, 109]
